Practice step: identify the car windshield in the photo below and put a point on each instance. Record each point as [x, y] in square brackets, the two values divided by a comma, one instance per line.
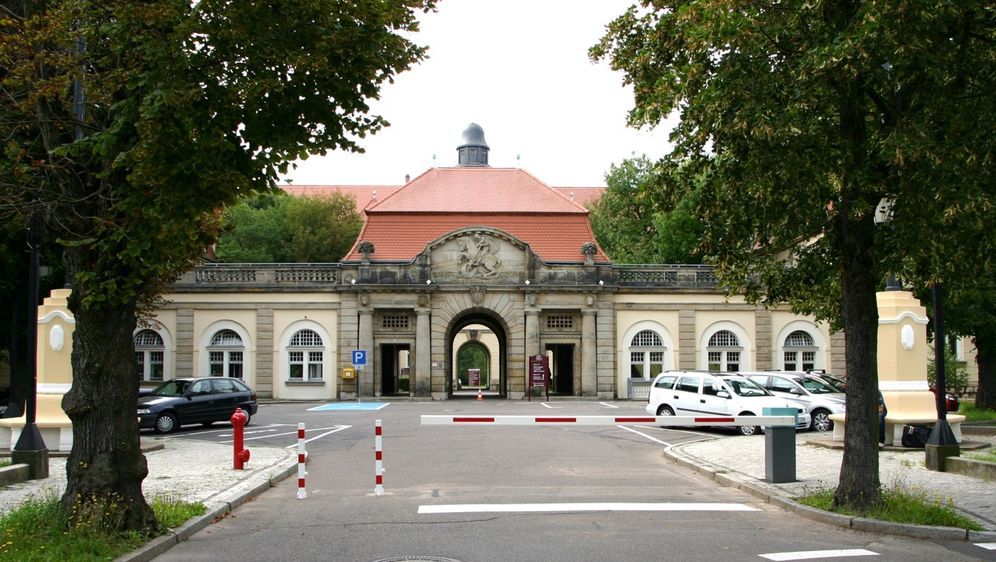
[171, 388]
[745, 387]
[816, 386]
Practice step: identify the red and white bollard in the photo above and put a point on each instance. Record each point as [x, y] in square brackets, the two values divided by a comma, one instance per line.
[302, 457]
[241, 454]
[378, 460]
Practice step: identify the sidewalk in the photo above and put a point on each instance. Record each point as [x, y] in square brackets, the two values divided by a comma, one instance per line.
[194, 471]
[739, 462]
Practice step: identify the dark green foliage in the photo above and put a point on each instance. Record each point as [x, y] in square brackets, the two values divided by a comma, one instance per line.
[277, 228]
[130, 125]
[806, 116]
[647, 214]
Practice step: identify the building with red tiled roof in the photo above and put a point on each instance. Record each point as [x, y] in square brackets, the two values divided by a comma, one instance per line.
[468, 277]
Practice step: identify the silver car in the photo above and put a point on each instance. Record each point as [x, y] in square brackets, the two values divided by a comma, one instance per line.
[820, 398]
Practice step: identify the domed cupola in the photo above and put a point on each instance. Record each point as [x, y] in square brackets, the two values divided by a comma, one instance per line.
[474, 150]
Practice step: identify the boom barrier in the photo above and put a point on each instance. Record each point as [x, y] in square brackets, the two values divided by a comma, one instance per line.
[663, 421]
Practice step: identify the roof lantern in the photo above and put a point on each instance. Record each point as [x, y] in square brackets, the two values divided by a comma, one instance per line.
[474, 150]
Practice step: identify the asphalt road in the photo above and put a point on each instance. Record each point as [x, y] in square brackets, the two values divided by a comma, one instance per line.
[486, 493]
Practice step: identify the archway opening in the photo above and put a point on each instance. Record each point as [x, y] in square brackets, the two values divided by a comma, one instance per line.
[476, 351]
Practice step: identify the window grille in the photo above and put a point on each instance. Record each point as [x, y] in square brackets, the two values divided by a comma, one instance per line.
[306, 338]
[148, 338]
[799, 338]
[226, 338]
[724, 338]
[560, 321]
[647, 338]
[394, 321]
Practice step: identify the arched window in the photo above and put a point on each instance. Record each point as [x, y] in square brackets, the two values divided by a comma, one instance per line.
[724, 351]
[149, 355]
[225, 354]
[306, 353]
[799, 352]
[646, 355]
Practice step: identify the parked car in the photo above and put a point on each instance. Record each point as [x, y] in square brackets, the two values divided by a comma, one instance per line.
[951, 401]
[194, 400]
[832, 380]
[699, 393]
[820, 398]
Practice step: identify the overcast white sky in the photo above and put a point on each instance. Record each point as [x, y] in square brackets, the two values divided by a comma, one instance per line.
[518, 68]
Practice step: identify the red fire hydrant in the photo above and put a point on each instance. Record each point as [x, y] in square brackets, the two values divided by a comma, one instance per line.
[239, 425]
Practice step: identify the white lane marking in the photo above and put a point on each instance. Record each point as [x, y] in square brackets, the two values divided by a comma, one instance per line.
[545, 405]
[812, 554]
[336, 430]
[253, 432]
[334, 427]
[570, 507]
[607, 405]
[644, 435]
[987, 545]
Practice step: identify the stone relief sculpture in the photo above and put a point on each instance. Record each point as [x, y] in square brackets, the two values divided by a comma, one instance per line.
[479, 258]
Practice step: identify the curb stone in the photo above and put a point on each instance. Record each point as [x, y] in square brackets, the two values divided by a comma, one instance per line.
[722, 477]
[214, 513]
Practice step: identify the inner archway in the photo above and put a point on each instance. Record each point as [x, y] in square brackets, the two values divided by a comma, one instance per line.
[476, 348]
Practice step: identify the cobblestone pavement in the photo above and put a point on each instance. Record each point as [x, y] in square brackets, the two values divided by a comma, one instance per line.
[183, 469]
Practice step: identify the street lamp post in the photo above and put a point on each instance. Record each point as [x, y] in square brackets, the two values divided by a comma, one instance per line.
[941, 443]
[30, 447]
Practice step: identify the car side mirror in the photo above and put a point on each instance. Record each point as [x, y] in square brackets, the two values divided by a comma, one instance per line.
[794, 390]
[723, 394]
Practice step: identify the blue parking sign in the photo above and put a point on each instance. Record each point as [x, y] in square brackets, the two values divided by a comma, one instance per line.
[359, 357]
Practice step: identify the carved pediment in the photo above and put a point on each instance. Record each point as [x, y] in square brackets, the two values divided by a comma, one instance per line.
[478, 255]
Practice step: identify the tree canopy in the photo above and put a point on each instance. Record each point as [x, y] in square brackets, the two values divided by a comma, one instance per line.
[807, 115]
[647, 214]
[129, 125]
[275, 227]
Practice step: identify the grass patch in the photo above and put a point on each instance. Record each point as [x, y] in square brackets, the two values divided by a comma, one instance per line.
[37, 531]
[989, 456]
[4, 462]
[901, 504]
[973, 414]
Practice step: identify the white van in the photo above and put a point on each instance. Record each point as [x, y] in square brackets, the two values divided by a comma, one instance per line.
[703, 393]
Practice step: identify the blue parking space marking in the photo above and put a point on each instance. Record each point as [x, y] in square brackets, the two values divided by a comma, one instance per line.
[350, 406]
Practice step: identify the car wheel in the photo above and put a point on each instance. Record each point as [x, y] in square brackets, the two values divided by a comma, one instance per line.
[166, 423]
[821, 421]
[665, 410]
[749, 429]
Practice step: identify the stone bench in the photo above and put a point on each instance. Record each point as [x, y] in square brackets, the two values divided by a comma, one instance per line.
[894, 424]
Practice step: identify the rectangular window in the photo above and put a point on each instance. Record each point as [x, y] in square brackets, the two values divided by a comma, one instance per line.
[790, 360]
[394, 321]
[732, 360]
[296, 364]
[808, 360]
[715, 361]
[217, 359]
[235, 364]
[561, 321]
[156, 365]
[636, 364]
[140, 364]
[314, 365]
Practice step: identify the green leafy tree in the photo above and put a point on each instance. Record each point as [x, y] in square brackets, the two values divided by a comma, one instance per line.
[323, 228]
[255, 230]
[129, 125]
[647, 214]
[955, 374]
[278, 228]
[807, 115]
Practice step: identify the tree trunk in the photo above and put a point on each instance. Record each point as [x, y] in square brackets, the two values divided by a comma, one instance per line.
[859, 485]
[985, 358]
[106, 467]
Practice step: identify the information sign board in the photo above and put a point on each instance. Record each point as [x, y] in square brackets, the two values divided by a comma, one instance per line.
[539, 375]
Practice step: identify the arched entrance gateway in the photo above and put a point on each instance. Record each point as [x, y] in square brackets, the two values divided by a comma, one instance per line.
[477, 347]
